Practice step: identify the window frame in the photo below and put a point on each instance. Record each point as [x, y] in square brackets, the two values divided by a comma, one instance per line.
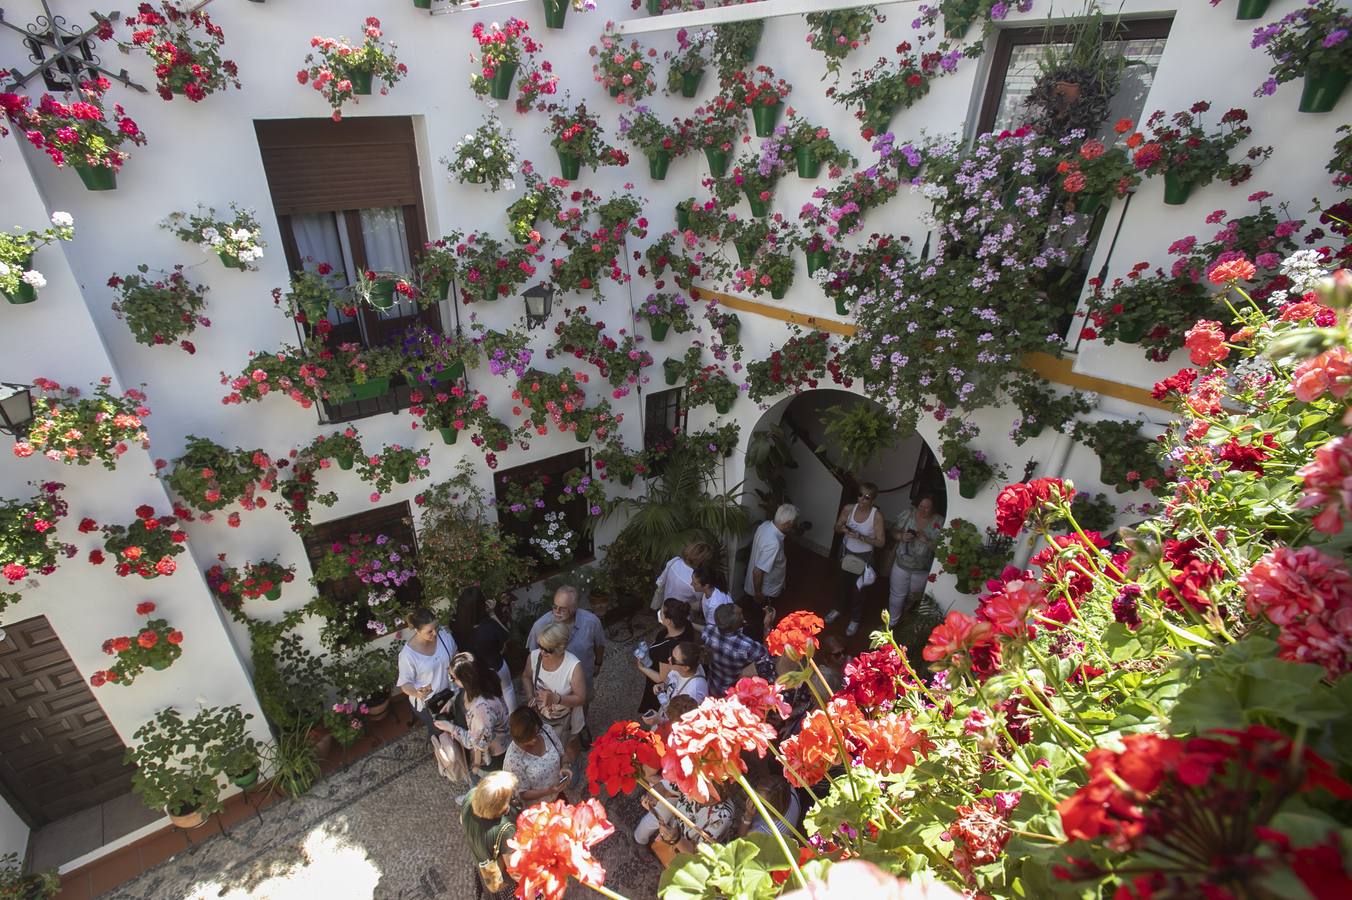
[576, 513]
[671, 399]
[371, 521]
[1152, 28]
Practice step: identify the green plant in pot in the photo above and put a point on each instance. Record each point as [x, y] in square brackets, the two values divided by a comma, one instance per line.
[761, 92]
[313, 293]
[1154, 310]
[354, 372]
[540, 202]
[711, 384]
[382, 290]
[16, 884]
[579, 140]
[1127, 459]
[19, 281]
[812, 147]
[971, 557]
[209, 477]
[687, 63]
[838, 33]
[1078, 74]
[238, 241]
[665, 311]
[659, 141]
[1310, 43]
[293, 761]
[155, 645]
[615, 462]
[716, 128]
[232, 750]
[969, 467]
[735, 46]
[461, 546]
[1040, 407]
[163, 308]
[394, 464]
[860, 431]
[177, 768]
[502, 50]
[1190, 156]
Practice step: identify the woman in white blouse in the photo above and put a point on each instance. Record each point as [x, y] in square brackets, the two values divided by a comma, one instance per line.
[425, 663]
[674, 581]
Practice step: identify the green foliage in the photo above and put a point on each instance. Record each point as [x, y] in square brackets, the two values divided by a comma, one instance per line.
[1040, 407]
[740, 868]
[178, 760]
[1127, 458]
[287, 678]
[292, 761]
[15, 884]
[209, 477]
[861, 431]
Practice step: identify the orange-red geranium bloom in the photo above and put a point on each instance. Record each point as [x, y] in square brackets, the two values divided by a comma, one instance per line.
[760, 696]
[889, 745]
[811, 752]
[956, 636]
[705, 746]
[796, 635]
[553, 843]
[615, 759]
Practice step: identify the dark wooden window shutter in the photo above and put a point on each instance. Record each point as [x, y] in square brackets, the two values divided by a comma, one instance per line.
[318, 165]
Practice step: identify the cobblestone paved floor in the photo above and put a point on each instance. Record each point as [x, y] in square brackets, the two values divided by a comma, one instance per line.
[385, 827]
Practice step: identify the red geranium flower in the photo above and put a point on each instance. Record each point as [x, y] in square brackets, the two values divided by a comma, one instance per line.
[145, 608]
[760, 696]
[796, 635]
[1016, 501]
[553, 843]
[705, 746]
[871, 678]
[618, 757]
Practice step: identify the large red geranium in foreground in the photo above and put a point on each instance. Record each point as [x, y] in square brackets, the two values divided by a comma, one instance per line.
[553, 843]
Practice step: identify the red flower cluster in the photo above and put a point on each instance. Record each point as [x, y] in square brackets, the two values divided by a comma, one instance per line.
[1206, 343]
[888, 744]
[184, 64]
[871, 679]
[980, 832]
[760, 696]
[1192, 574]
[156, 645]
[1016, 501]
[553, 843]
[1308, 595]
[796, 635]
[1328, 484]
[705, 746]
[955, 640]
[619, 756]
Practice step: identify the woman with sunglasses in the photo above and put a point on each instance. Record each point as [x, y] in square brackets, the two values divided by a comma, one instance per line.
[686, 678]
[862, 528]
[554, 683]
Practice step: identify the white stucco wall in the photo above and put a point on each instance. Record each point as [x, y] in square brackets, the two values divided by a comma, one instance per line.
[208, 153]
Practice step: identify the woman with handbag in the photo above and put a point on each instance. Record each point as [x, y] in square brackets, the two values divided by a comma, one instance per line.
[674, 582]
[486, 815]
[554, 683]
[424, 666]
[484, 736]
[916, 534]
[862, 527]
[542, 763]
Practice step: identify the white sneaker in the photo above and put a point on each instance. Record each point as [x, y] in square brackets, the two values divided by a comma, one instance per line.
[852, 629]
[832, 616]
[461, 798]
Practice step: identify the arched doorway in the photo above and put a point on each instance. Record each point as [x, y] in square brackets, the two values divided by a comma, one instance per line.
[796, 455]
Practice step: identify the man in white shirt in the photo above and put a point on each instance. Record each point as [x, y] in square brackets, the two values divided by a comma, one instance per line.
[707, 583]
[765, 571]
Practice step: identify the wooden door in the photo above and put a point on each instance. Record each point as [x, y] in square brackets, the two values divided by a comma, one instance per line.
[58, 752]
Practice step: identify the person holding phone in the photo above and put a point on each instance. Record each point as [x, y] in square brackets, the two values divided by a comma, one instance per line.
[542, 762]
[425, 663]
[916, 534]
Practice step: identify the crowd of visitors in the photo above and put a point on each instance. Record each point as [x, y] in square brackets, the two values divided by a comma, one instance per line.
[517, 749]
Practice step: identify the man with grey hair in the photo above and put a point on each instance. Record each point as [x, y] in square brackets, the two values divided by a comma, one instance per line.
[587, 640]
[765, 569]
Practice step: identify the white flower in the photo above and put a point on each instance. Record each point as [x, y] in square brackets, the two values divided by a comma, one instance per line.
[34, 277]
[62, 219]
[488, 152]
[210, 235]
[471, 163]
[4, 269]
[511, 186]
[241, 234]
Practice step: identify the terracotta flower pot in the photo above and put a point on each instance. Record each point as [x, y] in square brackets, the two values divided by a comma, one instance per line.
[378, 710]
[321, 740]
[186, 817]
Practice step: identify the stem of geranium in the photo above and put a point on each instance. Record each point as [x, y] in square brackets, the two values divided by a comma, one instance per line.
[1084, 684]
[1028, 781]
[835, 732]
[1051, 838]
[783, 761]
[1079, 736]
[604, 891]
[643, 782]
[779, 838]
[905, 661]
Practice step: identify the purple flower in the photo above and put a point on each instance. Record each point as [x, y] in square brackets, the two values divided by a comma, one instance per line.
[1335, 37]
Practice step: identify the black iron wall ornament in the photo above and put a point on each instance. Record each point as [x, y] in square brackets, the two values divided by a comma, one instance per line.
[61, 53]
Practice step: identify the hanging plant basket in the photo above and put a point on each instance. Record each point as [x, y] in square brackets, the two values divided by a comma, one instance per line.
[759, 208]
[1322, 89]
[659, 330]
[808, 167]
[690, 83]
[25, 292]
[766, 117]
[969, 486]
[671, 369]
[361, 83]
[718, 161]
[1251, 9]
[1176, 189]
[723, 407]
[449, 435]
[500, 88]
[382, 293]
[683, 215]
[96, 178]
[570, 166]
[367, 390]
[555, 12]
[658, 163]
[815, 260]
